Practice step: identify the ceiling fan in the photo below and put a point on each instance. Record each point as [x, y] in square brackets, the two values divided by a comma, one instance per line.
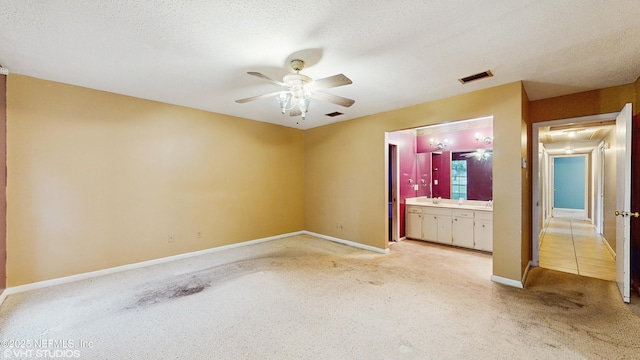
[301, 89]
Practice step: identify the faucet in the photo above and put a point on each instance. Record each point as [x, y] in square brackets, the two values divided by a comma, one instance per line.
[436, 200]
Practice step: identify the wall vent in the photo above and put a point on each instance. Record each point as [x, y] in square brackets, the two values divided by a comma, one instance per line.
[475, 77]
[334, 114]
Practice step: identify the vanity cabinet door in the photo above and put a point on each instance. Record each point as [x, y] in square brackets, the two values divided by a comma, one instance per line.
[483, 232]
[430, 227]
[444, 229]
[463, 232]
[413, 224]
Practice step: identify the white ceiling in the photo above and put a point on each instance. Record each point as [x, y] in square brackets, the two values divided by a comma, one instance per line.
[196, 53]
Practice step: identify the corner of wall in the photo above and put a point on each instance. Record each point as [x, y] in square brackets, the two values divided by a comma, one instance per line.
[3, 183]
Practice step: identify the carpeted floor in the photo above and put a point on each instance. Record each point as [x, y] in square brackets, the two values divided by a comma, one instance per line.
[307, 298]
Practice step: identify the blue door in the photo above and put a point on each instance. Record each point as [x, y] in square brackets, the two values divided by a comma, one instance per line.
[569, 182]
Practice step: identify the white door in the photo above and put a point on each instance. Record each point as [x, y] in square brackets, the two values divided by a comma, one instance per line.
[623, 201]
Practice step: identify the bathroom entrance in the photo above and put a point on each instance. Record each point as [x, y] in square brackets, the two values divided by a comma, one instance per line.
[442, 160]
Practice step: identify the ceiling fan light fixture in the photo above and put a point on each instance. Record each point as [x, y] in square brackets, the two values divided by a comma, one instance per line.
[301, 89]
[284, 100]
[303, 104]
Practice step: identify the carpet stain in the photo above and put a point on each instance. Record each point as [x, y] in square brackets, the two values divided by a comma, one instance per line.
[169, 292]
[566, 302]
[186, 291]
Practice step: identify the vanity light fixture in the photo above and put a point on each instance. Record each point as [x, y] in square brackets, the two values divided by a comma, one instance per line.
[438, 144]
[487, 140]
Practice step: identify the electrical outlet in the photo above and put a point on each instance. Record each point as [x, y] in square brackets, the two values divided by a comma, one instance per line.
[171, 239]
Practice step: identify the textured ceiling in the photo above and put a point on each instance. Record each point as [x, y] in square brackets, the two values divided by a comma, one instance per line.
[397, 53]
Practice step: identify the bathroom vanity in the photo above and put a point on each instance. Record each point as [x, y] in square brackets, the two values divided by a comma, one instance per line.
[468, 224]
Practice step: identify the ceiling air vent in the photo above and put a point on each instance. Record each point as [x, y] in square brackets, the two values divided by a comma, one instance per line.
[475, 77]
[334, 114]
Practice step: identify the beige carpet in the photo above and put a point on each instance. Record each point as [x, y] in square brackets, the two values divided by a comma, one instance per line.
[307, 298]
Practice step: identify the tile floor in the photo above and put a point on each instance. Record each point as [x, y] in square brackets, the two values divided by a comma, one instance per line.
[573, 246]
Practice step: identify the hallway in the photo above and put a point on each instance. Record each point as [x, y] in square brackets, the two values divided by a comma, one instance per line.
[573, 246]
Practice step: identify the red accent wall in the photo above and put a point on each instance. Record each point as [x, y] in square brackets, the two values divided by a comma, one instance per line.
[3, 182]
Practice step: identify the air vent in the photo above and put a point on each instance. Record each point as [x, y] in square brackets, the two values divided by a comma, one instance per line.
[334, 114]
[475, 77]
[4, 71]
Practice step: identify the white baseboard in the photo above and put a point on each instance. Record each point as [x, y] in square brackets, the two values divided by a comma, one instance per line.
[3, 296]
[608, 246]
[505, 281]
[511, 282]
[347, 242]
[138, 265]
[526, 273]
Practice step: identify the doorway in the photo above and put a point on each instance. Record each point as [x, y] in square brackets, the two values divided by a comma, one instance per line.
[393, 208]
[409, 158]
[598, 226]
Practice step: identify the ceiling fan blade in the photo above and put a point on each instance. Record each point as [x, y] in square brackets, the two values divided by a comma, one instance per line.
[338, 100]
[295, 111]
[265, 77]
[264, 96]
[331, 82]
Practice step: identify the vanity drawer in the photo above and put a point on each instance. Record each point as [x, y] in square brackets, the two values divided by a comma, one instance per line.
[463, 213]
[436, 211]
[414, 209]
[484, 215]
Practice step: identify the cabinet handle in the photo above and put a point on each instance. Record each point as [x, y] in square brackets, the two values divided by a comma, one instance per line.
[455, 219]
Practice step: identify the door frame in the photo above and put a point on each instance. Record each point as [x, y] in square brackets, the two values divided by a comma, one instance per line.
[392, 153]
[535, 170]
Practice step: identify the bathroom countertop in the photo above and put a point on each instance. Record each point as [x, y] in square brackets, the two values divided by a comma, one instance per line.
[449, 203]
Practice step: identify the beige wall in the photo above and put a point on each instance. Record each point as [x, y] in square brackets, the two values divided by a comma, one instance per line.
[97, 180]
[345, 174]
[592, 102]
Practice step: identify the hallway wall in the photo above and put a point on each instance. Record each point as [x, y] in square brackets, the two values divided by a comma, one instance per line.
[609, 202]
